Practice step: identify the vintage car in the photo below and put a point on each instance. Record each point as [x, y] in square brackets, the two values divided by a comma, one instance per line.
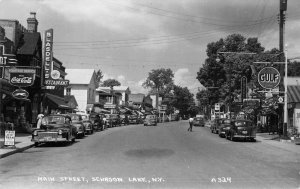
[133, 119]
[54, 128]
[241, 129]
[216, 123]
[88, 126]
[97, 121]
[224, 125]
[198, 121]
[77, 122]
[112, 120]
[150, 120]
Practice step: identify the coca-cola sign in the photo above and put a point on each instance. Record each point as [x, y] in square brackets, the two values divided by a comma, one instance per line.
[21, 77]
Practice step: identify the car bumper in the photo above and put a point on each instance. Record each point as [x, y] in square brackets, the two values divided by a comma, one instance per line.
[49, 139]
[243, 136]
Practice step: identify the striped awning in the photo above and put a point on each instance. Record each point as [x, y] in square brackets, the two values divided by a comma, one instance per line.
[293, 94]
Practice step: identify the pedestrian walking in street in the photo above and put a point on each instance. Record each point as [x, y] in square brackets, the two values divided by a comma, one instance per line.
[39, 122]
[191, 124]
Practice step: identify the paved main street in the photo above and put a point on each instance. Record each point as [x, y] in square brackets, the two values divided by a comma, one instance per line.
[166, 156]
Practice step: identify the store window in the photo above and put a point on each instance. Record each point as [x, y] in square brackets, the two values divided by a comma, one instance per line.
[68, 93]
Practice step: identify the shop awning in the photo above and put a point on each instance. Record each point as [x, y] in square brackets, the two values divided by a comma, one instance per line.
[59, 102]
[293, 94]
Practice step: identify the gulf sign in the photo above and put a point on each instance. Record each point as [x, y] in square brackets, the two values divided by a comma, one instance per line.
[269, 77]
[48, 54]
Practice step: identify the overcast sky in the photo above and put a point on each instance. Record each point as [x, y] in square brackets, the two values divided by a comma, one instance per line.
[126, 39]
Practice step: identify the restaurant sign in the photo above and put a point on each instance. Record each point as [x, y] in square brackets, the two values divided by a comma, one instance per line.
[21, 77]
[51, 76]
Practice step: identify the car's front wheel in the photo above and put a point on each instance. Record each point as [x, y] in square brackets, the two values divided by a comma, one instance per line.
[36, 144]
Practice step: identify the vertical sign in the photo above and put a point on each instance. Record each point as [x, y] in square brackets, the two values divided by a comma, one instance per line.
[243, 88]
[9, 139]
[48, 55]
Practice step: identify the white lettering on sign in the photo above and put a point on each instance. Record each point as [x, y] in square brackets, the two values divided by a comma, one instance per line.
[3, 60]
[273, 78]
[21, 80]
[48, 54]
[9, 139]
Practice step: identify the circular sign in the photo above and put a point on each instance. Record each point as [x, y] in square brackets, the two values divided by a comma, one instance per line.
[20, 94]
[55, 74]
[269, 77]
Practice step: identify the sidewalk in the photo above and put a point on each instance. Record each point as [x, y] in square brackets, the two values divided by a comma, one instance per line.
[274, 140]
[22, 142]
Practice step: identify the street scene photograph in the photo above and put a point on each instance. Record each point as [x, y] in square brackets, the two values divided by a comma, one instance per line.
[146, 94]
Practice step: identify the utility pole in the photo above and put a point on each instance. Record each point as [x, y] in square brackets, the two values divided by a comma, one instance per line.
[282, 11]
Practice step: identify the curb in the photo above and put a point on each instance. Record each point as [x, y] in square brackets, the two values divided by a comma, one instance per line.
[13, 151]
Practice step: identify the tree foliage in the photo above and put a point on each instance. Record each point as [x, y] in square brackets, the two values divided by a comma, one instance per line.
[183, 100]
[99, 76]
[111, 82]
[159, 79]
[225, 76]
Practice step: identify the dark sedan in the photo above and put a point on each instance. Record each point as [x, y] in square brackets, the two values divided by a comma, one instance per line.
[241, 129]
[54, 128]
[216, 123]
[198, 121]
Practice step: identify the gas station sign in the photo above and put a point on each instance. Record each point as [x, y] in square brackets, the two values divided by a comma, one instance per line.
[269, 77]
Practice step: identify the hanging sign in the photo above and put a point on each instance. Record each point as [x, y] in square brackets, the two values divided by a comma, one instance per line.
[20, 94]
[21, 77]
[51, 76]
[269, 77]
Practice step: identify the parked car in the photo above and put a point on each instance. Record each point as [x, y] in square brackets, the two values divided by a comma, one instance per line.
[224, 126]
[76, 120]
[133, 119]
[216, 124]
[54, 128]
[198, 121]
[150, 120]
[241, 129]
[97, 121]
[112, 120]
[88, 126]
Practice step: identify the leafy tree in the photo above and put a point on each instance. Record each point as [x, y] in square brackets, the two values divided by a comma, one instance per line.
[183, 100]
[160, 80]
[99, 76]
[294, 69]
[111, 82]
[226, 74]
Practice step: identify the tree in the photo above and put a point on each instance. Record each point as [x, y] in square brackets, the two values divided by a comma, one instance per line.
[111, 82]
[99, 76]
[294, 69]
[160, 80]
[183, 100]
[216, 74]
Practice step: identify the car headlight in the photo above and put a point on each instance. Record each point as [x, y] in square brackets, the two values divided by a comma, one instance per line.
[35, 133]
[60, 132]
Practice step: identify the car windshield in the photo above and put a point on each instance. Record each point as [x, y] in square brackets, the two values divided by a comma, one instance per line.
[150, 117]
[242, 123]
[53, 120]
[227, 121]
[84, 117]
[75, 117]
[198, 118]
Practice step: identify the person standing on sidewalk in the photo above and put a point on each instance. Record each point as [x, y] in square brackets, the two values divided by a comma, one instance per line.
[191, 124]
[39, 122]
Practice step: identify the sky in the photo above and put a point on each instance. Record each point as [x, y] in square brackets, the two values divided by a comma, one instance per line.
[126, 39]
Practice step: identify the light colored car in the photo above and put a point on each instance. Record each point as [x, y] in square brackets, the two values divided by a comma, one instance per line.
[150, 120]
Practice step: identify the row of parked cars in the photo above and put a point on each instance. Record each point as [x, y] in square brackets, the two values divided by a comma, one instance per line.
[234, 129]
[68, 127]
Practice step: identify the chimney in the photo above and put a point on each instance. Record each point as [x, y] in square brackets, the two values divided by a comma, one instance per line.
[32, 23]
